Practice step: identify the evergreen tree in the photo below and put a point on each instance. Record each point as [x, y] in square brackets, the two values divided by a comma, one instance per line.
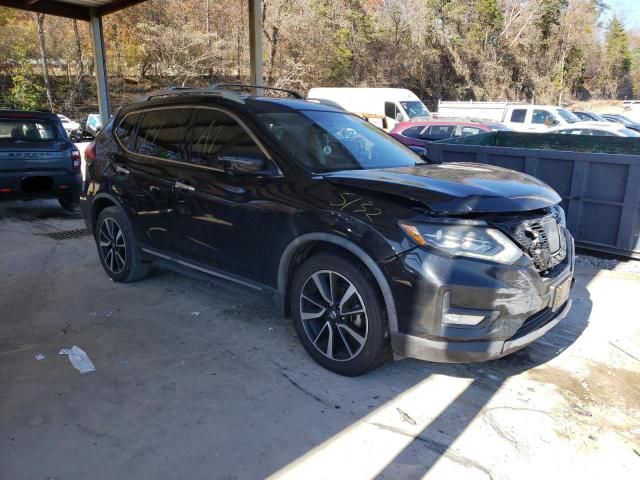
[618, 58]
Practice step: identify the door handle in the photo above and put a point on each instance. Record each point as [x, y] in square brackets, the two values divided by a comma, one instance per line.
[184, 186]
[122, 170]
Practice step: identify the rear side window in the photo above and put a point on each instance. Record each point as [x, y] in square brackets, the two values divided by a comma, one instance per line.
[413, 132]
[215, 135]
[162, 133]
[439, 131]
[126, 127]
[27, 130]
[519, 115]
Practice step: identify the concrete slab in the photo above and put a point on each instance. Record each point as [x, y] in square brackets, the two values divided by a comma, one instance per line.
[228, 392]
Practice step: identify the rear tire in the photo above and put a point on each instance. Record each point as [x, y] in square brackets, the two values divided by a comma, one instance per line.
[338, 315]
[117, 248]
[69, 203]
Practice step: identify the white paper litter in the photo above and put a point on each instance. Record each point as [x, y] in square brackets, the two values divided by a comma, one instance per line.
[79, 359]
[39, 356]
[195, 314]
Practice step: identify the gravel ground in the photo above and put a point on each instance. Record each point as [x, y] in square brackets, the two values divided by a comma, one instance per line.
[626, 266]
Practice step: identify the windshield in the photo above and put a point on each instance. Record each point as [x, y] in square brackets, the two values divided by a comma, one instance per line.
[415, 108]
[629, 133]
[567, 116]
[597, 118]
[498, 127]
[623, 119]
[330, 141]
[26, 130]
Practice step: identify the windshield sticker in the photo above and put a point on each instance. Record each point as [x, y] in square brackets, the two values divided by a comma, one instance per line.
[355, 204]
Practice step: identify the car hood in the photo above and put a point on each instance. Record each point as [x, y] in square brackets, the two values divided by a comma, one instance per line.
[454, 187]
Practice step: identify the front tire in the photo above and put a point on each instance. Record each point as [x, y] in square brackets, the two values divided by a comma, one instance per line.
[338, 315]
[117, 248]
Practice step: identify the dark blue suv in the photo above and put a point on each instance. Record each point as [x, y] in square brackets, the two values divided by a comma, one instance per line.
[37, 159]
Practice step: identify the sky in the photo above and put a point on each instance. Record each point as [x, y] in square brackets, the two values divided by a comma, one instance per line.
[627, 10]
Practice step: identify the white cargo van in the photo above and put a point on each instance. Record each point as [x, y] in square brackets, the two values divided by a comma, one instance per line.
[518, 116]
[383, 107]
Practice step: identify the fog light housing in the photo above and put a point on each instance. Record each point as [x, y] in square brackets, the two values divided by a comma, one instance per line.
[463, 317]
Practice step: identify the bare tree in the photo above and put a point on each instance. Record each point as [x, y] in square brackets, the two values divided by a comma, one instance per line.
[43, 59]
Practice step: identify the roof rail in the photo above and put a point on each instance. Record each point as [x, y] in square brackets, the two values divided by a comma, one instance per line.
[293, 93]
[219, 89]
[175, 91]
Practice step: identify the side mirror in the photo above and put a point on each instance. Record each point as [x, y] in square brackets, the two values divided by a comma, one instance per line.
[247, 165]
[420, 151]
[399, 117]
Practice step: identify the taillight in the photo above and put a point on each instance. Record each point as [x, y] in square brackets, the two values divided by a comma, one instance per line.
[76, 160]
[90, 152]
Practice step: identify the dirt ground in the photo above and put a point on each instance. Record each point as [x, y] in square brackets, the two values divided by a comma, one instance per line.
[205, 380]
[598, 106]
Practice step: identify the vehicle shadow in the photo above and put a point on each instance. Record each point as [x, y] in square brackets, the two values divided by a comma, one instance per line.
[485, 379]
[36, 211]
[219, 379]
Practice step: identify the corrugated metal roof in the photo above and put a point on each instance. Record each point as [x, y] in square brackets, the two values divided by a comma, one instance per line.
[79, 9]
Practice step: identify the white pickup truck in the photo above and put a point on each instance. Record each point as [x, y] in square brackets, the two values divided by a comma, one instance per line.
[518, 116]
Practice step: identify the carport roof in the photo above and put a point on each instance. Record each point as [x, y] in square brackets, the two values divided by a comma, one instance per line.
[79, 9]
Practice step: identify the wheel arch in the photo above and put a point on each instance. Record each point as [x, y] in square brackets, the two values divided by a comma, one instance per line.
[308, 241]
[99, 203]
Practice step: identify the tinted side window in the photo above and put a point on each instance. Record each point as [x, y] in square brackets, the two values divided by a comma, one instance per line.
[390, 109]
[214, 135]
[519, 115]
[440, 131]
[125, 128]
[162, 133]
[412, 132]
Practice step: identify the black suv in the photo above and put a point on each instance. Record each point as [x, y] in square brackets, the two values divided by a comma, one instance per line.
[37, 159]
[370, 249]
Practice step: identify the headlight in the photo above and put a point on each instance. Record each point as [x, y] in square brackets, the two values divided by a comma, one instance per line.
[562, 217]
[464, 240]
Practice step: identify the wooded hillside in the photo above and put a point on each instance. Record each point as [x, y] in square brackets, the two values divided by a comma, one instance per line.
[548, 51]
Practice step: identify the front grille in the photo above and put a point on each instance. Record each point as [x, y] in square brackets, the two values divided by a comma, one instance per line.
[541, 238]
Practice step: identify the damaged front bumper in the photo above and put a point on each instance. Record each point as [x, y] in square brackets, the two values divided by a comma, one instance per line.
[465, 310]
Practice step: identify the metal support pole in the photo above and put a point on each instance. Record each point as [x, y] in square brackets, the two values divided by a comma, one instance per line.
[255, 45]
[97, 41]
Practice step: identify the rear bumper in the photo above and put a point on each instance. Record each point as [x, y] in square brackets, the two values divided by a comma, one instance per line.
[66, 185]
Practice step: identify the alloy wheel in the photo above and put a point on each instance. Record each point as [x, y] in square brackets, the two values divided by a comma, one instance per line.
[333, 315]
[112, 246]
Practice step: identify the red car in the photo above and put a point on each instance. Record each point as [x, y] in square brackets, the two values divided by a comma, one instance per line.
[419, 134]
